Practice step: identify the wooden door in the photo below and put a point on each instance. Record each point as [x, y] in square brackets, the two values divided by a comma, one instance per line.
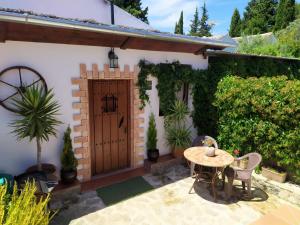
[110, 123]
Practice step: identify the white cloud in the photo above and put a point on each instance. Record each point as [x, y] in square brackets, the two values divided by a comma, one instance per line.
[163, 14]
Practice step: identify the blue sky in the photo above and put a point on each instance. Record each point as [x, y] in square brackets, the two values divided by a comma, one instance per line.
[164, 13]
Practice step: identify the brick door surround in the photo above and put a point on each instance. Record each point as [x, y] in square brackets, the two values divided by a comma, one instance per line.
[82, 143]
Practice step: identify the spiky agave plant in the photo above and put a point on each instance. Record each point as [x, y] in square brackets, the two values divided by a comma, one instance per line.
[37, 111]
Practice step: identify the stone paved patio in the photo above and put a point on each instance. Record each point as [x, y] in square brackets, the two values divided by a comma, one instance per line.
[170, 203]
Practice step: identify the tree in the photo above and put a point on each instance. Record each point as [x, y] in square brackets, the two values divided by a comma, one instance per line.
[236, 23]
[195, 23]
[68, 159]
[204, 27]
[179, 25]
[286, 13]
[298, 11]
[36, 112]
[259, 16]
[134, 7]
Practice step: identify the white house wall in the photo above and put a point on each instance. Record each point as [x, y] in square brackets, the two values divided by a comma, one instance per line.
[98, 10]
[58, 64]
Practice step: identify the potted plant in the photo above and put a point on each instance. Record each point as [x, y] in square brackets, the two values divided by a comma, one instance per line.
[68, 172]
[152, 151]
[177, 133]
[37, 111]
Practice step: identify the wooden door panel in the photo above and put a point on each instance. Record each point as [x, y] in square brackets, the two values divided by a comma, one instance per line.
[114, 129]
[110, 126]
[106, 131]
[98, 127]
[123, 130]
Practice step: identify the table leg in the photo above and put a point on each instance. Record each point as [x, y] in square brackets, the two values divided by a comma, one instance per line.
[192, 168]
[213, 184]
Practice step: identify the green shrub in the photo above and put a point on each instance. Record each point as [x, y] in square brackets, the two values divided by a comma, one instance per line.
[152, 133]
[261, 115]
[23, 207]
[68, 160]
[178, 135]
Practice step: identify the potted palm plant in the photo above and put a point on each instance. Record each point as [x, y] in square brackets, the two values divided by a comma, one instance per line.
[177, 133]
[152, 151]
[37, 111]
[69, 163]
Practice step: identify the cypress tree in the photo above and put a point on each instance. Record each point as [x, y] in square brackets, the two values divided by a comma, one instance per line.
[259, 16]
[176, 28]
[180, 23]
[235, 26]
[195, 23]
[286, 13]
[204, 27]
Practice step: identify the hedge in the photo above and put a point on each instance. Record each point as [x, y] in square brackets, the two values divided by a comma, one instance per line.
[205, 116]
[261, 115]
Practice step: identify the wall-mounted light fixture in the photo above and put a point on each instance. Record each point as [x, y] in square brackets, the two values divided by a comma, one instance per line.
[113, 59]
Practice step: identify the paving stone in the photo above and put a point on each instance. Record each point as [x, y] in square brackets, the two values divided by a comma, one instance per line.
[171, 203]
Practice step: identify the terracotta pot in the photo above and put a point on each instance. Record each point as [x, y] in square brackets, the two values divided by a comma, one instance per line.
[68, 177]
[153, 155]
[178, 152]
[274, 175]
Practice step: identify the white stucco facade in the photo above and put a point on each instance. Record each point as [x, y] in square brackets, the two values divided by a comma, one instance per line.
[58, 64]
[98, 10]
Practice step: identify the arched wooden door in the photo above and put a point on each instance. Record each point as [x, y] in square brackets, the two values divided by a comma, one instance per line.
[110, 125]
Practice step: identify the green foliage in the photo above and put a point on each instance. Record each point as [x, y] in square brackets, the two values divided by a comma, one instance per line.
[134, 7]
[195, 23]
[289, 40]
[68, 160]
[261, 115]
[236, 24]
[258, 45]
[259, 16]
[37, 111]
[298, 10]
[287, 44]
[167, 87]
[23, 207]
[204, 26]
[177, 133]
[205, 115]
[286, 13]
[152, 134]
[179, 25]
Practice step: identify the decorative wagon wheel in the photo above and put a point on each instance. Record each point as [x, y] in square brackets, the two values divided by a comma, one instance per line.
[16, 73]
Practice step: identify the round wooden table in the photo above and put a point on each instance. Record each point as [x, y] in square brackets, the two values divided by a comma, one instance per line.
[197, 156]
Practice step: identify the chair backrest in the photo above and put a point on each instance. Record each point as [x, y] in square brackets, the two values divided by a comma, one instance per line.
[254, 160]
[199, 141]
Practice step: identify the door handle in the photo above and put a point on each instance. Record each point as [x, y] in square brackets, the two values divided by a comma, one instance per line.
[121, 122]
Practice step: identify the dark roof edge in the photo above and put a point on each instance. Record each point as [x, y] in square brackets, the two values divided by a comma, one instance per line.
[28, 17]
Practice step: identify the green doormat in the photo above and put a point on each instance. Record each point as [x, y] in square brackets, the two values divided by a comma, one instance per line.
[118, 192]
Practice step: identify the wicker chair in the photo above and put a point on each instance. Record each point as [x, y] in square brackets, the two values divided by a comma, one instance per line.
[244, 175]
[199, 141]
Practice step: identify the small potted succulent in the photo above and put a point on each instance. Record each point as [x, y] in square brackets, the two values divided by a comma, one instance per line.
[152, 151]
[69, 163]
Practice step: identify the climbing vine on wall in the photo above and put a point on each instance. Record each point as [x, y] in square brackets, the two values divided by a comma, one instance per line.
[171, 77]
